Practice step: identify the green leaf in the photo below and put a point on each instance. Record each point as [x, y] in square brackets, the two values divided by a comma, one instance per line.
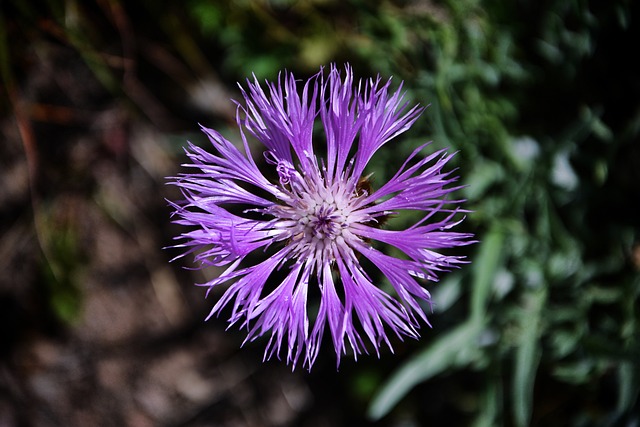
[447, 293]
[488, 409]
[455, 348]
[485, 268]
[628, 386]
[527, 356]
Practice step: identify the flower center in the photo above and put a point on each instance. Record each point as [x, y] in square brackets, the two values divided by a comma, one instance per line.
[314, 217]
[323, 221]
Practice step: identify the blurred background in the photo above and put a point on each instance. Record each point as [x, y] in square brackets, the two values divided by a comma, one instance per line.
[98, 97]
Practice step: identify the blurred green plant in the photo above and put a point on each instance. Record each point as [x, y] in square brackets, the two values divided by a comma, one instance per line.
[532, 284]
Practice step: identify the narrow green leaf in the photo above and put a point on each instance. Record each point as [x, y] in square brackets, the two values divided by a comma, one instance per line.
[456, 347]
[484, 271]
[488, 409]
[628, 387]
[527, 356]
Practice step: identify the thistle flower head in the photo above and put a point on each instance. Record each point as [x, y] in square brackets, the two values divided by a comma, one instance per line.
[306, 223]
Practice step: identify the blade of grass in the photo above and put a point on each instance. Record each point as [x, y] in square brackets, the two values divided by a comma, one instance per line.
[456, 347]
[490, 406]
[527, 356]
[484, 271]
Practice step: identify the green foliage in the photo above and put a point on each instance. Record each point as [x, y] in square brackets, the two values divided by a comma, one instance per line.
[534, 279]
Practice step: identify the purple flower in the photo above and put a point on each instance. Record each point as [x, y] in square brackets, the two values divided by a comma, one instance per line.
[310, 226]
